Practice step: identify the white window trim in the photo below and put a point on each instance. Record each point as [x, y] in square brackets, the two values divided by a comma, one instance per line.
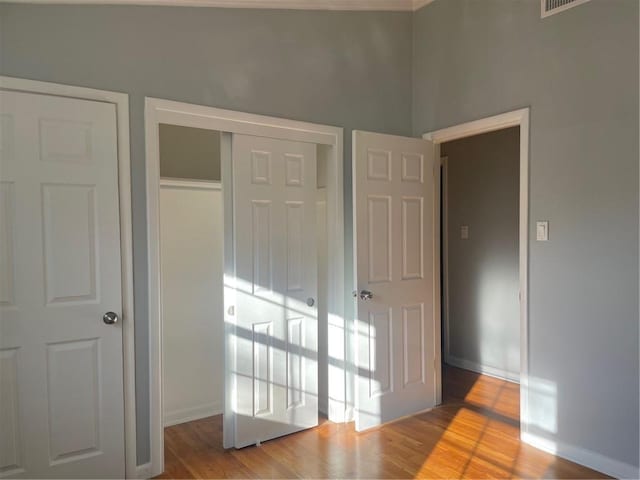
[183, 114]
[121, 103]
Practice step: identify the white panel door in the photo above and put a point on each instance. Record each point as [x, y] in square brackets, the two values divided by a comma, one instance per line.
[394, 240]
[275, 371]
[61, 384]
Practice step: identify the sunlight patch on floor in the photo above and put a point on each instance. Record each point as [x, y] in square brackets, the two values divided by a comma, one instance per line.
[473, 445]
[500, 396]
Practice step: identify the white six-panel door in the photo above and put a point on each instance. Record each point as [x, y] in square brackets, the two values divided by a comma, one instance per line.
[61, 379]
[275, 366]
[394, 241]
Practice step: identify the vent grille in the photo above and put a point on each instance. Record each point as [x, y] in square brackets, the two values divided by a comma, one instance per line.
[550, 7]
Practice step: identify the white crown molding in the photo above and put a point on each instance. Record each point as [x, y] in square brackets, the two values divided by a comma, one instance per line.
[418, 4]
[373, 5]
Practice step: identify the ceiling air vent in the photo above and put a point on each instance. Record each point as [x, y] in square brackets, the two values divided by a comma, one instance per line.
[550, 7]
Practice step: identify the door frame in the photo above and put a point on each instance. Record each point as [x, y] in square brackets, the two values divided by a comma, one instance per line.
[516, 118]
[159, 111]
[444, 260]
[121, 103]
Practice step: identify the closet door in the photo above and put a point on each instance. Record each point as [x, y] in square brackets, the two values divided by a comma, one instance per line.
[274, 371]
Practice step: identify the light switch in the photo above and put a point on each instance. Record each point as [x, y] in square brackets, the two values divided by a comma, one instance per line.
[464, 232]
[542, 231]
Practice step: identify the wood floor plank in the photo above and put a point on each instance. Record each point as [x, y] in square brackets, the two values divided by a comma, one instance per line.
[473, 434]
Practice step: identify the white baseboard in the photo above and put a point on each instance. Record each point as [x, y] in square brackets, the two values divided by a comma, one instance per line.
[143, 472]
[483, 369]
[590, 459]
[194, 413]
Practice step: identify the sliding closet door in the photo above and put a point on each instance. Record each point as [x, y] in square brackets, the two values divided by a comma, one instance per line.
[274, 370]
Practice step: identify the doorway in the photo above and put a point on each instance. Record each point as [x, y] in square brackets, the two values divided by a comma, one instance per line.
[519, 119]
[480, 315]
[326, 198]
[191, 244]
[284, 303]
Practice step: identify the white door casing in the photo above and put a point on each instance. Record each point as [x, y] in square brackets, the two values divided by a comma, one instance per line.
[394, 240]
[275, 366]
[329, 143]
[61, 375]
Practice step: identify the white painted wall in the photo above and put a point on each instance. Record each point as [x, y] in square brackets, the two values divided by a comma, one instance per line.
[191, 236]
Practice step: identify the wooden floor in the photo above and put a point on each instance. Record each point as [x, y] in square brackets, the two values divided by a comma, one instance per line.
[474, 434]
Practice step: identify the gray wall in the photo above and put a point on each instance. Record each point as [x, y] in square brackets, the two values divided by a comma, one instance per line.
[483, 175]
[187, 152]
[578, 71]
[349, 69]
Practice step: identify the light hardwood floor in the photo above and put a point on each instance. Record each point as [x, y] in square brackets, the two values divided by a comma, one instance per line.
[474, 434]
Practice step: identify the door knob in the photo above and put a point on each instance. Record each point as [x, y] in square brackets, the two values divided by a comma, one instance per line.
[110, 318]
[310, 301]
[366, 295]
